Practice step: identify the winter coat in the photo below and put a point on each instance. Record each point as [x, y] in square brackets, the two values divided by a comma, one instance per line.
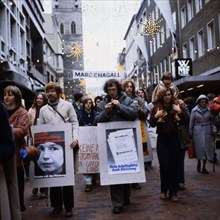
[125, 113]
[143, 113]
[169, 124]
[201, 130]
[9, 202]
[31, 114]
[184, 128]
[20, 121]
[49, 116]
[85, 118]
[7, 144]
[160, 88]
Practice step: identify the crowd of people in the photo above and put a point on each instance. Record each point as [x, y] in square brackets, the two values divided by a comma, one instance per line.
[178, 123]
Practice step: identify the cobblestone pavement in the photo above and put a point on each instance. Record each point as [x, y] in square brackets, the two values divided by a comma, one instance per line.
[200, 200]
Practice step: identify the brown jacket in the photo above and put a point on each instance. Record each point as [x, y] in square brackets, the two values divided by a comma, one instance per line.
[169, 124]
[20, 122]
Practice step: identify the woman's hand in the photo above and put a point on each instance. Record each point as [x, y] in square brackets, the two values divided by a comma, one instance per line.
[74, 143]
[176, 108]
[159, 113]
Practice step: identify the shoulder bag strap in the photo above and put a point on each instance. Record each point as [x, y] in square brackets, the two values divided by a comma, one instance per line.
[58, 114]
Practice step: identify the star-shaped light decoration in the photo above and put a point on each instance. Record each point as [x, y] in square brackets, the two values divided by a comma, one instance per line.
[151, 28]
[76, 51]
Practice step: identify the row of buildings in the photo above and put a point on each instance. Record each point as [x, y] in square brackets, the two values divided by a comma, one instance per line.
[187, 43]
[37, 48]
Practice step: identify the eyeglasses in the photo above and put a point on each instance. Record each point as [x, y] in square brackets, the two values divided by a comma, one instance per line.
[112, 90]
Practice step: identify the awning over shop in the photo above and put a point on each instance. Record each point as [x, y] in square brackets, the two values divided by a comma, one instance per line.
[196, 85]
[10, 76]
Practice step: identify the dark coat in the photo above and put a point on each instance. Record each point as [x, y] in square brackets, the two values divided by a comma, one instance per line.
[7, 144]
[125, 113]
[9, 202]
[85, 118]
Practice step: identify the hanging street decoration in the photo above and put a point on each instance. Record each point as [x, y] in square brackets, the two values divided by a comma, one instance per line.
[76, 51]
[151, 28]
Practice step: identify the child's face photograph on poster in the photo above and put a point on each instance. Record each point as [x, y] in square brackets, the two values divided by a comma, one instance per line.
[54, 166]
[51, 161]
[122, 154]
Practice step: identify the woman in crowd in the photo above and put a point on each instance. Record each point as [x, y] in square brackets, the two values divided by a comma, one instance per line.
[141, 93]
[97, 100]
[33, 113]
[168, 144]
[9, 202]
[201, 131]
[18, 118]
[86, 117]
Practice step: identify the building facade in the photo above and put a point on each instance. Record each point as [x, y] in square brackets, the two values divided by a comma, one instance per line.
[190, 33]
[69, 17]
[23, 60]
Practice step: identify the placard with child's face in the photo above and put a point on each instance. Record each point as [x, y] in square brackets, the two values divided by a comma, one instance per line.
[54, 167]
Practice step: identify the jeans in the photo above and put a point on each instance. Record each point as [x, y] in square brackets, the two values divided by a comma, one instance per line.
[168, 151]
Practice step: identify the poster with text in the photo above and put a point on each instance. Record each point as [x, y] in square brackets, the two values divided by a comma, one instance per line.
[88, 154]
[122, 159]
[54, 167]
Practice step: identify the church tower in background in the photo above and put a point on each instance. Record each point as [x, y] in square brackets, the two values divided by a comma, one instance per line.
[69, 18]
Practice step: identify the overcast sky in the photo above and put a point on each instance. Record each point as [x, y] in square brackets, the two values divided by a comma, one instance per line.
[104, 26]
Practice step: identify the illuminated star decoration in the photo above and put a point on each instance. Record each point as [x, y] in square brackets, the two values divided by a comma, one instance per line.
[151, 28]
[76, 51]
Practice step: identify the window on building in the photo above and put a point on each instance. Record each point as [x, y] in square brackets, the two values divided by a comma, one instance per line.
[161, 70]
[73, 27]
[158, 40]
[190, 9]
[169, 62]
[211, 35]
[183, 16]
[167, 31]
[151, 49]
[219, 24]
[198, 4]
[184, 50]
[52, 78]
[162, 35]
[156, 13]
[48, 77]
[201, 44]
[61, 28]
[154, 46]
[165, 64]
[174, 20]
[192, 48]
[157, 75]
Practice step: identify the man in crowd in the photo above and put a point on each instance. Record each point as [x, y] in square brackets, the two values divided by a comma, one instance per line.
[116, 106]
[55, 112]
[129, 88]
[77, 104]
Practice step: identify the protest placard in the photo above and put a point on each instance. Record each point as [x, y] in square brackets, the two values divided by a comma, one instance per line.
[88, 154]
[122, 153]
[54, 167]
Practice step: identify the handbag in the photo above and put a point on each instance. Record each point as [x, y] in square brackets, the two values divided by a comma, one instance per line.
[191, 151]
